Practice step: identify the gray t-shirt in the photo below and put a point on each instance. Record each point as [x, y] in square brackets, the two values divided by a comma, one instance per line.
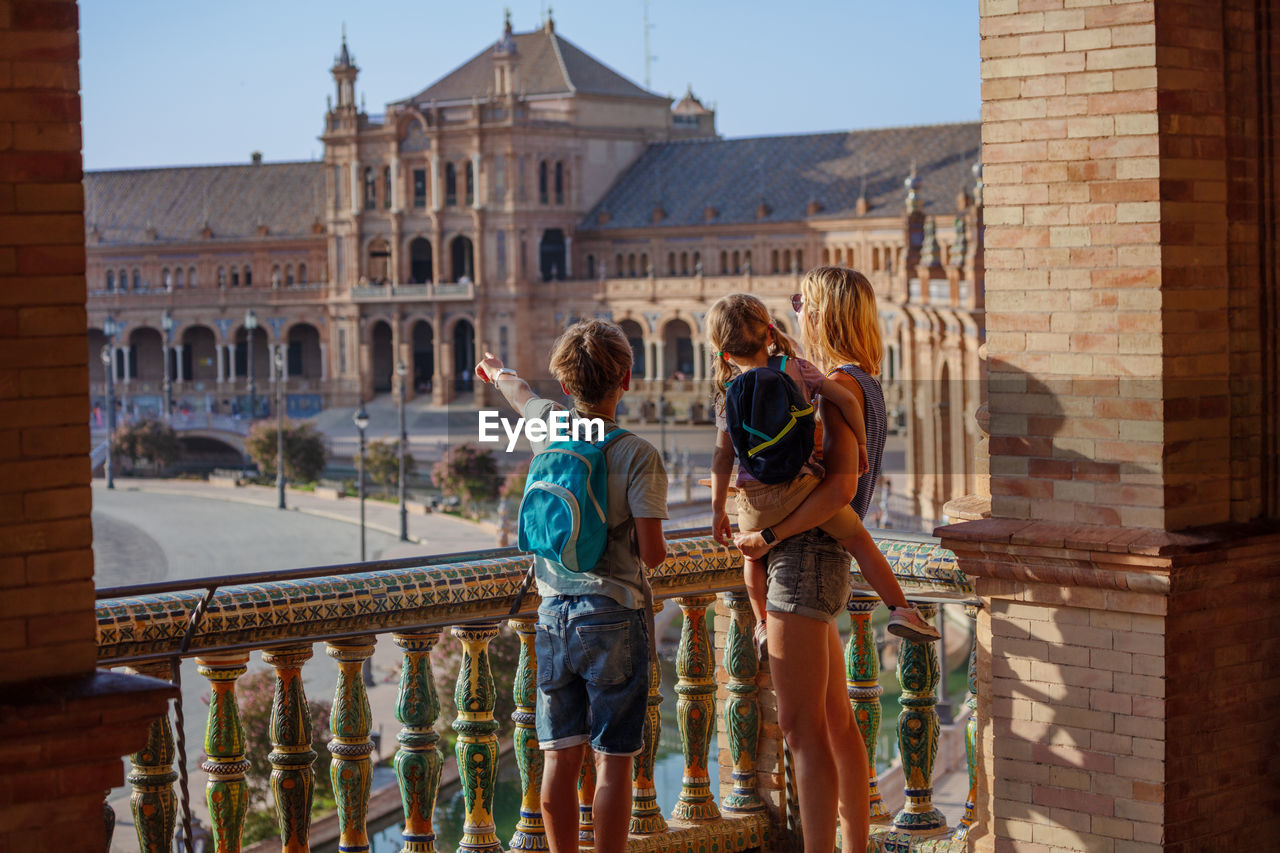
[637, 489]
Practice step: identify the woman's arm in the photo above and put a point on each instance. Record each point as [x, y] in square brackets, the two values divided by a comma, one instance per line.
[840, 459]
[721, 470]
[851, 410]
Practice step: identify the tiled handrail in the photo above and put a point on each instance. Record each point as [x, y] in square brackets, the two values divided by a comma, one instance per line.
[219, 620]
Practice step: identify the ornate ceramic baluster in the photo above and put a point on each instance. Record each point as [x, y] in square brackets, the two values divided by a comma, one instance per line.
[742, 708]
[153, 803]
[292, 780]
[695, 709]
[970, 739]
[350, 720]
[226, 791]
[530, 833]
[477, 747]
[587, 796]
[646, 816]
[862, 678]
[918, 731]
[418, 761]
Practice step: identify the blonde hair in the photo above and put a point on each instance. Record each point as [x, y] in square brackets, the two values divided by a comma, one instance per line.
[739, 325]
[840, 324]
[590, 359]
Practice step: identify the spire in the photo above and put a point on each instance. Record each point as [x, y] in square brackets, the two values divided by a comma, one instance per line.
[344, 75]
[912, 184]
[551, 22]
[344, 56]
[507, 44]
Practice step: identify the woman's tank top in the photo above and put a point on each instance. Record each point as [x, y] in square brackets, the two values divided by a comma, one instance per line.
[877, 422]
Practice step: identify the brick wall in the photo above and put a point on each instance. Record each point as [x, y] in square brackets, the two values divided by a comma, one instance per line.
[46, 564]
[1123, 213]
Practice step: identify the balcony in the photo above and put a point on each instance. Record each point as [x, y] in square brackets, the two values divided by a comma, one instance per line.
[220, 621]
[459, 291]
[159, 298]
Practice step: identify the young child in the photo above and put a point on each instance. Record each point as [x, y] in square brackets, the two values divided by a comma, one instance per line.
[593, 634]
[743, 338]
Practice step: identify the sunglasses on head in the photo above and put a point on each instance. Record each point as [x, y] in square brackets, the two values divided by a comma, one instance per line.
[797, 302]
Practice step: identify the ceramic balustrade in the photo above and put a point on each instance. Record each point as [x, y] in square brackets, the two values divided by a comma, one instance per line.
[416, 603]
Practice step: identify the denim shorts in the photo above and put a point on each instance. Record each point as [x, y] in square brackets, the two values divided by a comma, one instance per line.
[593, 674]
[809, 576]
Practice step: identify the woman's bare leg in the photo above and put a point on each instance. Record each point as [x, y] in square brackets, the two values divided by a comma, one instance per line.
[799, 649]
[850, 753]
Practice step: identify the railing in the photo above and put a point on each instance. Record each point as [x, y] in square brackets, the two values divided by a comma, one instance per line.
[220, 620]
[193, 297]
[444, 291]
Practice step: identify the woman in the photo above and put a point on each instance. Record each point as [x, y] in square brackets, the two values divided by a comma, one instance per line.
[838, 326]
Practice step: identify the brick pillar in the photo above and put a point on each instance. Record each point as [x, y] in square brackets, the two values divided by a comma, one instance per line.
[60, 756]
[1130, 200]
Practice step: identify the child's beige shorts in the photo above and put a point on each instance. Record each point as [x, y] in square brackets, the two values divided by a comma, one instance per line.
[762, 505]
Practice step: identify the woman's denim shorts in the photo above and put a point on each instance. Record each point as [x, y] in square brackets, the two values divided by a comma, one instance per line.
[593, 674]
[809, 576]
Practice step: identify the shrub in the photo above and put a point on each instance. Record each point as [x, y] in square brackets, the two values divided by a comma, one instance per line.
[513, 486]
[468, 473]
[305, 450]
[382, 462]
[150, 441]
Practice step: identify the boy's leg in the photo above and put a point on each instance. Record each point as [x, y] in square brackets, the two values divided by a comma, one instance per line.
[560, 796]
[611, 808]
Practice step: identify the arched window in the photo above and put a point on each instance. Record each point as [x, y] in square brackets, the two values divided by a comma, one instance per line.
[276, 279]
[839, 257]
[746, 260]
[684, 263]
[111, 280]
[191, 276]
[235, 276]
[542, 182]
[875, 259]
[302, 273]
[386, 186]
[288, 275]
[618, 270]
[370, 189]
[166, 278]
[786, 260]
[222, 277]
[697, 262]
[800, 259]
[671, 263]
[122, 280]
[631, 265]
[826, 256]
[248, 276]
[773, 261]
[737, 263]
[177, 278]
[450, 184]
[724, 262]
[471, 183]
[137, 279]
[591, 266]
[559, 183]
[645, 269]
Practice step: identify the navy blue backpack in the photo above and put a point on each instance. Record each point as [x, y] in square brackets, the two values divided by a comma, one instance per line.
[770, 422]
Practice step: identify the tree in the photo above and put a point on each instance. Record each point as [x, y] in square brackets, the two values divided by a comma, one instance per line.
[382, 461]
[468, 472]
[513, 486]
[151, 441]
[305, 451]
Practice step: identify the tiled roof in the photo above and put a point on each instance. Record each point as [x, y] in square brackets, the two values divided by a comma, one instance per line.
[547, 64]
[288, 198]
[787, 173]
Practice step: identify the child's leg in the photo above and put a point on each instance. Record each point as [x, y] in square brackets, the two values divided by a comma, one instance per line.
[846, 528]
[756, 580]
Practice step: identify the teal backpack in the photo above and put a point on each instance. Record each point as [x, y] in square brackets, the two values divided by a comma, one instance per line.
[564, 512]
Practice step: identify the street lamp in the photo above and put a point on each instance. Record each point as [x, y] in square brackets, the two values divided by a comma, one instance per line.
[110, 329]
[361, 419]
[166, 323]
[280, 367]
[401, 370]
[251, 323]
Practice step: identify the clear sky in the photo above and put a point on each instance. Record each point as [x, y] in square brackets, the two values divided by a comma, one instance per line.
[171, 82]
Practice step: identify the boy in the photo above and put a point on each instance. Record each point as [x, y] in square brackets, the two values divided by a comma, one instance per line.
[593, 637]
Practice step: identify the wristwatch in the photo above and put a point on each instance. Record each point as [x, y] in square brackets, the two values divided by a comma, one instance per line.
[768, 536]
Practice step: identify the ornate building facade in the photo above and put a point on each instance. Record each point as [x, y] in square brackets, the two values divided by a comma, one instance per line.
[531, 186]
